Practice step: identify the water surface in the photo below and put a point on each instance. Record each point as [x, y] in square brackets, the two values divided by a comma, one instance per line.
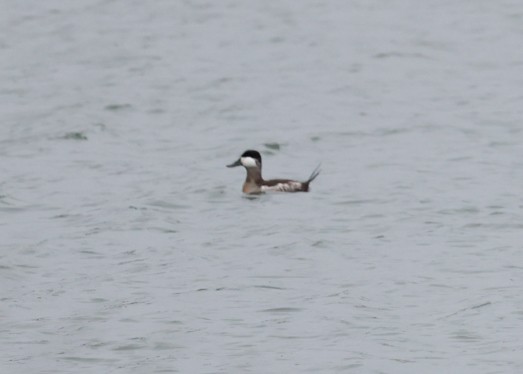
[125, 243]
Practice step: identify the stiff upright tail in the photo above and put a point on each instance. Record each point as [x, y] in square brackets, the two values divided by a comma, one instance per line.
[314, 174]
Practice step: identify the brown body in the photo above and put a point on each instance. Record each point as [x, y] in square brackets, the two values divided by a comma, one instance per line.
[254, 184]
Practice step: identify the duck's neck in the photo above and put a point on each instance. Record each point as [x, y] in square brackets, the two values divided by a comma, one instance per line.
[254, 176]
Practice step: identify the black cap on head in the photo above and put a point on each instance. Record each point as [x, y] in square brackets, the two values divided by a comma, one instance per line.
[253, 154]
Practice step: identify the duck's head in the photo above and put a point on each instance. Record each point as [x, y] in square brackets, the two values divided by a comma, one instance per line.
[249, 159]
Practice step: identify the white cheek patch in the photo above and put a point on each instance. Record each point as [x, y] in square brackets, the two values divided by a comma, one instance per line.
[248, 162]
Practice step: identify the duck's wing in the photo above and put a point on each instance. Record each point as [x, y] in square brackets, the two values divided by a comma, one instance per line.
[282, 185]
[289, 185]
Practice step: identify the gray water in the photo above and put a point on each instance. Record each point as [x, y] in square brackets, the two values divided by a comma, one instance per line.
[126, 246]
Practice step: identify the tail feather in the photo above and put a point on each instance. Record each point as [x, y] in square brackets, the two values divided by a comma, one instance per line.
[314, 174]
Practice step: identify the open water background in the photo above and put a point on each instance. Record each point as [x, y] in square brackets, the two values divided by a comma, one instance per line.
[127, 247]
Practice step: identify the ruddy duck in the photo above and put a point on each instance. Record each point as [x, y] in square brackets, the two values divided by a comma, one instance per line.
[255, 184]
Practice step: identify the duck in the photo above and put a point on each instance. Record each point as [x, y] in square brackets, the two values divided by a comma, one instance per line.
[254, 183]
